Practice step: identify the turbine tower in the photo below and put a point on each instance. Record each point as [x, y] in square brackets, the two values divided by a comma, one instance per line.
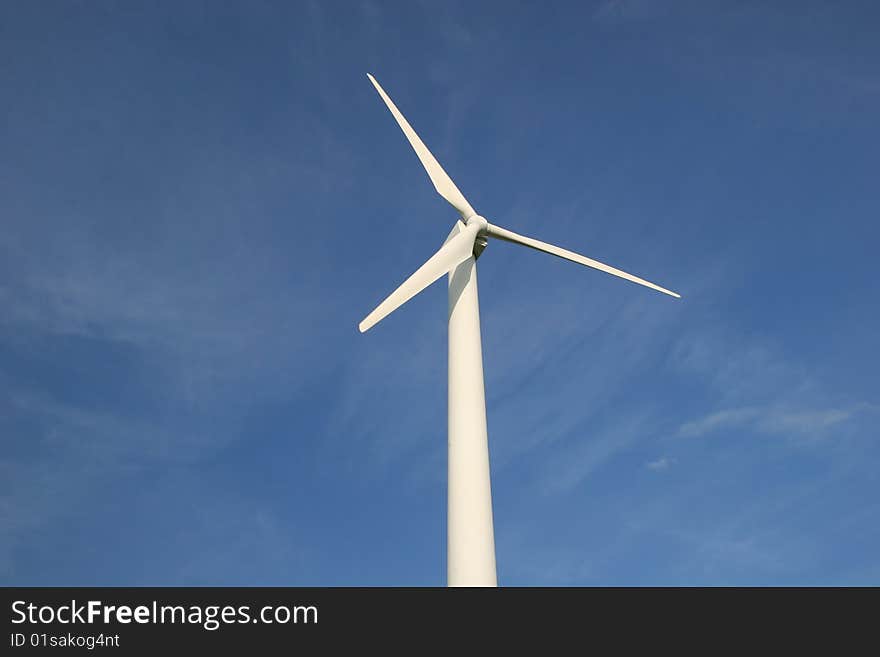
[470, 532]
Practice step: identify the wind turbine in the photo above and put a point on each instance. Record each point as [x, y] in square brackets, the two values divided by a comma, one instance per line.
[470, 532]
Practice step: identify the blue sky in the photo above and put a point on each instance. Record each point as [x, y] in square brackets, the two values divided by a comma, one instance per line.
[199, 202]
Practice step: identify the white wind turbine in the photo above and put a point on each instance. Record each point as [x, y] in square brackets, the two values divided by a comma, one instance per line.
[470, 533]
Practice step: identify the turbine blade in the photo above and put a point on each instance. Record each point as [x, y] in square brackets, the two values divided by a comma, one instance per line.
[456, 250]
[442, 182]
[509, 236]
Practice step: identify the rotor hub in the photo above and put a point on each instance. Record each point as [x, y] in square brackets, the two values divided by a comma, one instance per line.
[480, 221]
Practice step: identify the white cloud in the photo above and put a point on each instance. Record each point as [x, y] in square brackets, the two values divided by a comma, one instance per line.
[715, 421]
[801, 422]
[662, 463]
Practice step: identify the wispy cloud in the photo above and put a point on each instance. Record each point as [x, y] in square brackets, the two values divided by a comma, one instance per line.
[809, 423]
[586, 451]
[715, 421]
[144, 339]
